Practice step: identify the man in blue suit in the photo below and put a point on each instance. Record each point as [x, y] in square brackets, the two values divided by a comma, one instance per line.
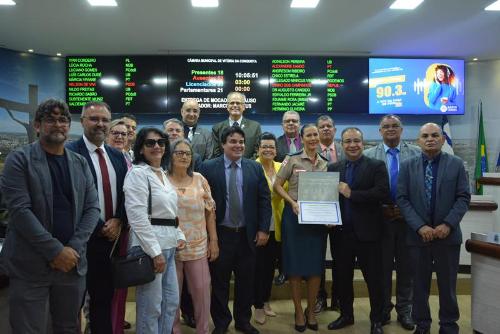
[243, 216]
[433, 196]
[53, 210]
[108, 169]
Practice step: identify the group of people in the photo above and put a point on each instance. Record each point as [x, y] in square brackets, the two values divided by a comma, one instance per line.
[206, 205]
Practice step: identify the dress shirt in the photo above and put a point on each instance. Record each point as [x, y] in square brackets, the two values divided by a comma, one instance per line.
[297, 142]
[111, 171]
[239, 183]
[231, 122]
[152, 238]
[331, 149]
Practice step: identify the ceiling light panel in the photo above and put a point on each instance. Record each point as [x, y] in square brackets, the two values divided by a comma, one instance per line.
[7, 3]
[494, 6]
[205, 3]
[304, 3]
[103, 3]
[406, 4]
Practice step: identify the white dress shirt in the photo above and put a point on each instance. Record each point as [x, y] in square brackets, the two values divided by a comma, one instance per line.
[152, 238]
[111, 171]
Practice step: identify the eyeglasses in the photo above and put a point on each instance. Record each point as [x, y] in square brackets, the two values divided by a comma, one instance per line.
[152, 142]
[268, 147]
[118, 133]
[290, 121]
[51, 120]
[180, 154]
[96, 120]
[389, 126]
[352, 141]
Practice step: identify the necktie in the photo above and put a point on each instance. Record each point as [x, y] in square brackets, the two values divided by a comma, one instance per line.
[349, 174]
[292, 149]
[428, 182]
[394, 172]
[106, 185]
[234, 198]
[190, 134]
[236, 124]
[327, 154]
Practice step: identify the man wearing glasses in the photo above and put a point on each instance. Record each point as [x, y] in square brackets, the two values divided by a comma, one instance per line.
[392, 151]
[108, 167]
[289, 141]
[252, 130]
[53, 210]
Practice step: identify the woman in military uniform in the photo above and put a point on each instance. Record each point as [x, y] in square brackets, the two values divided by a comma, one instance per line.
[302, 244]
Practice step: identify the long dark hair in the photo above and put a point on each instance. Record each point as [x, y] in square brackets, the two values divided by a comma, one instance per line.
[139, 143]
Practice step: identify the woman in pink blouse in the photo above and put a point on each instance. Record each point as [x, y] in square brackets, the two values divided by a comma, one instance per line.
[196, 213]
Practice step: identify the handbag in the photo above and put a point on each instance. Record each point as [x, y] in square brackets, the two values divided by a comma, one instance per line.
[135, 270]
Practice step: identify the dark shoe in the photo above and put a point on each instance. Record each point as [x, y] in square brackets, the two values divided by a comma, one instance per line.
[219, 330]
[247, 329]
[300, 328]
[406, 322]
[386, 319]
[313, 327]
[320, 305]
[341, 322]
[188, 320]
[335, 305]
[421, 331]
[126, 325]
[376, 328]
[280, 279]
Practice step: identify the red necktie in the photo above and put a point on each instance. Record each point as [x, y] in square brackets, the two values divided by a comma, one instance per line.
[106, 185]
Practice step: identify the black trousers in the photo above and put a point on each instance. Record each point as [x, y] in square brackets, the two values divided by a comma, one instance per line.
[347, 248]
[322, 289]
[235, 255]
[99, 285]
[264, 270]
[444, 259]
[396, 255]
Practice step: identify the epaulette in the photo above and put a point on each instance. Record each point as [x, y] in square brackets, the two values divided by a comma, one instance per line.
[296, 153]
[322, 157]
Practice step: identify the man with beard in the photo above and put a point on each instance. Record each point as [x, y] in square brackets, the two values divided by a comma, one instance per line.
[108, 169]
[53, 210]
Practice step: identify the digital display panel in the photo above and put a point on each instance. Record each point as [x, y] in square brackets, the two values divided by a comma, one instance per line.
[209, 79]
[135, 84]
[416, 86]
[319, 84]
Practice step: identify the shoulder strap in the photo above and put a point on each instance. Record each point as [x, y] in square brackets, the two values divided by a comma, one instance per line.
[149, 201]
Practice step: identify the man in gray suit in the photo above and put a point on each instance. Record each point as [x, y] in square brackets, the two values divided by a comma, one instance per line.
[433, 196]
[53, 210]
[289, 141]
[393, 152]
[200, 138]
[235, 108]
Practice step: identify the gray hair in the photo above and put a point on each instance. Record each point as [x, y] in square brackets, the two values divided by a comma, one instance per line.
[290, 112]
[173, 145]
[173, 120]
[324, 118]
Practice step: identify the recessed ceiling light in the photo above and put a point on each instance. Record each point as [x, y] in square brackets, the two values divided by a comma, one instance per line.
[205, 3]
[474, 59]
[406, 4]
[31, 50]
[103, 3]
[7, 3]
[58, 54]
[304, 3]
[494, 6]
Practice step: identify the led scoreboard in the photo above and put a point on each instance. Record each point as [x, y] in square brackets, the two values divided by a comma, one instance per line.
[135, 84]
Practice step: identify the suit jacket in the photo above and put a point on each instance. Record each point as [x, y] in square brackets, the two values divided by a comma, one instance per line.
[252, 134]
[338, 149]
[282, 148]
[256, 194]
[370, 188]
[202, 143]
[452, 197]
[27, 188]
[119, 164]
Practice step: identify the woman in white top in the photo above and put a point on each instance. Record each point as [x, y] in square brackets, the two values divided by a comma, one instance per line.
[157, 301]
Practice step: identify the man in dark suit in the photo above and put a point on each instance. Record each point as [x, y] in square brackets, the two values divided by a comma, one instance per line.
[53, 210]
[331, 151]
[289, 141]
[235, 108]
[363, 186]
[243, 216]
[108, 169]
[433, 196]
[393, 151]
[200, 138]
